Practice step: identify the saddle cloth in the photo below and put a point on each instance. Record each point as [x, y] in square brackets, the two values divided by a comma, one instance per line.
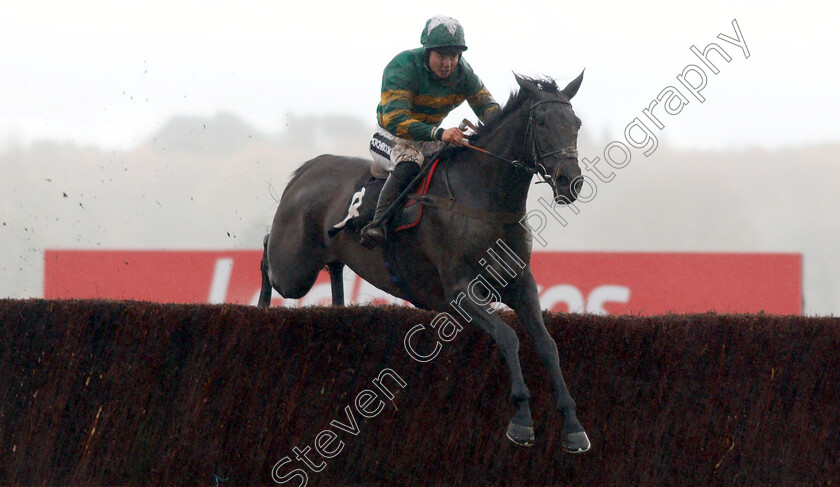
[362, 205]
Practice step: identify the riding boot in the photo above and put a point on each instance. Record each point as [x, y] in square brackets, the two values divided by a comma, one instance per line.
[374, 233]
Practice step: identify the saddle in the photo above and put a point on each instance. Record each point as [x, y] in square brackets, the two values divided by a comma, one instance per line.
[362, 205]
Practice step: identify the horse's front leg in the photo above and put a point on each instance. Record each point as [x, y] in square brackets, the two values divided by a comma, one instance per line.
[521, 427]
[524, 300]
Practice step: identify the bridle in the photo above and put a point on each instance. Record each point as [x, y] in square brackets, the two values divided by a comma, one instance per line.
[533, 165]
[537, 154]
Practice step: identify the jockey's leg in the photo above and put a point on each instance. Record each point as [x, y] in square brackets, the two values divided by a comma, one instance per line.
[407, 159]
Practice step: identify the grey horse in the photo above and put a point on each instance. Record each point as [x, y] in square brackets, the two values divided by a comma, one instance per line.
[472, 245]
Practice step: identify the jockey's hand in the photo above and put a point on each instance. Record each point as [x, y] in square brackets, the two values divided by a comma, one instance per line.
[453, 135]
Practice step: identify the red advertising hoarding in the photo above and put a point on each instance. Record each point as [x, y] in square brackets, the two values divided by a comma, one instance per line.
[593, 282]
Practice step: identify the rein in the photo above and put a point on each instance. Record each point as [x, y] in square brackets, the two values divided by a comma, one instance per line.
[512, 162]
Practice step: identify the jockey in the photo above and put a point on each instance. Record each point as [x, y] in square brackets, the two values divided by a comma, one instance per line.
[419, 89]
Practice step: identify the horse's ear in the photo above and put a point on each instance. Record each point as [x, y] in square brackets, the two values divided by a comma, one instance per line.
[571, 89]
[527, 85]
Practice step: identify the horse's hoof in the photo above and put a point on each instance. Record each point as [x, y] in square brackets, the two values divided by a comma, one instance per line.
[521, 435]
[576, 442]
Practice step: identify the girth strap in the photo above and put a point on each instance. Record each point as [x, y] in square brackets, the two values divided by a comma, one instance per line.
[433, 201]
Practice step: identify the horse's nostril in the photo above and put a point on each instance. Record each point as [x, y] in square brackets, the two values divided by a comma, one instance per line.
[577, 185]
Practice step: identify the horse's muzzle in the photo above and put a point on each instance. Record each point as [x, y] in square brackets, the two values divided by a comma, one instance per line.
[567, 188]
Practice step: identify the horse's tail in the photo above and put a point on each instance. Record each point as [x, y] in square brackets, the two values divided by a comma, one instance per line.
[265, 290]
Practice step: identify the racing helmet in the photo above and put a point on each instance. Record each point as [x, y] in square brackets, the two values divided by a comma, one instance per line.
[443, 31]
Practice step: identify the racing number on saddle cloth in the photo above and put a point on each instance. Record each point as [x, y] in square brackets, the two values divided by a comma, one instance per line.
[382, 145]
[353, 210]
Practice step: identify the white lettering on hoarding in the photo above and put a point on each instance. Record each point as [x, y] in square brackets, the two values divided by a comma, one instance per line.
[221, 279]
[606, 294]
[361, 292]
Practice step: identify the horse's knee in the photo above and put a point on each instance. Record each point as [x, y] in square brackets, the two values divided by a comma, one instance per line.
[507, 339]
[292, 293]
[287, 288]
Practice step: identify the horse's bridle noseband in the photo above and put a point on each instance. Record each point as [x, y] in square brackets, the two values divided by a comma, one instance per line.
[537, 154]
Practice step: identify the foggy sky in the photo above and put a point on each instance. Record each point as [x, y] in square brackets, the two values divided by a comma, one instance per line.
[176, 124]
[111, 73]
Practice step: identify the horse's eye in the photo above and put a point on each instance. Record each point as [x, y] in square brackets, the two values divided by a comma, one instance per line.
[540, 122]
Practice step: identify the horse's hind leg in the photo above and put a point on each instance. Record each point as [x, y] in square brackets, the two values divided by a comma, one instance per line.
[265, 290]
[337, 282]
[293, 259]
